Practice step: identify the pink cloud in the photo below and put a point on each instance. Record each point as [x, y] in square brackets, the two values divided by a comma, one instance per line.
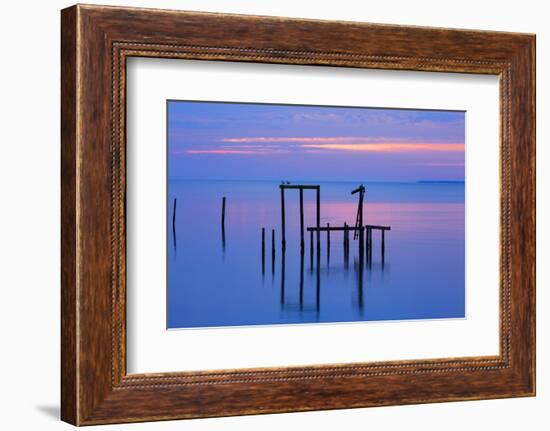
[267, 145]
[389, 147]
[221, 151]
[332, 139]
[352, 143]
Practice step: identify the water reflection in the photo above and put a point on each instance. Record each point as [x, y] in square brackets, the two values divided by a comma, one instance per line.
[315, 275]
[283, 261]
[359, 265]
[301, 280]
[174, 239]
[425, 252]
[318, 279]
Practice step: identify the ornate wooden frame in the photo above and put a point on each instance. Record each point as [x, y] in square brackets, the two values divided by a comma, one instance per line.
[95, 42]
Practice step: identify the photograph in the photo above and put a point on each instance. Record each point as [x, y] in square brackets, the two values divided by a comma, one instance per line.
[275, 215]
[281, 214]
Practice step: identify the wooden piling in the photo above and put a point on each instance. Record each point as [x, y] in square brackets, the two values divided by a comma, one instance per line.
[223, 213]
[311, 246]
[348, 241]
[174, 221]
[318, 219]
[328, 239]
[361, 232]
[273, 244]
[346, 232]
[283, 258]
[361, 244]
[369, 251]
[346, 238]
[383, 247]
[263, 249]
[365, 249]
[283, 235]
[346, 245]
[371, 245]
[302, 221]
[301, 281]
[318, 282]
[360, 283]
[367, 242]
[174, 214]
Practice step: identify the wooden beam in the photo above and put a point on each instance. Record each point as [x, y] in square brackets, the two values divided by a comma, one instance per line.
[302, 187]
[349, 228]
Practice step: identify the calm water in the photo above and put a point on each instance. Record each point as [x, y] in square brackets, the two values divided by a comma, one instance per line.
[217, 283]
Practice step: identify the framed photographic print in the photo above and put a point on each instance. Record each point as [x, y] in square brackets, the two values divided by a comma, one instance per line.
[267, 215]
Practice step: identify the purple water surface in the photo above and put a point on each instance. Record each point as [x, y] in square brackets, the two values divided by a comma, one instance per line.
[215, 281]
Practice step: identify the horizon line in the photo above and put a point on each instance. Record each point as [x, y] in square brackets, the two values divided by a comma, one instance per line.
[298, 181]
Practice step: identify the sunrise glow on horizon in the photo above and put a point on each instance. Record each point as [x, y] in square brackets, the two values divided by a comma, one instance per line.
[271, 142]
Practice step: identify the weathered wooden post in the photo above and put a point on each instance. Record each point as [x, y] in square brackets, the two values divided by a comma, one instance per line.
[283, 258]
[360, 283]
[346, 234]
[302, 221]
[318, 282]
[383, 246]
[367, 242]
[272, 247]
[283, 235]
[174, 214]
[361, 235]
[301, 280]
[359, 230]
[174, 221]
[263, 250]
[361, 244]
[311, 247]
[371, 241]
[370, 244]
[345, 237]
[368, 239]
[328, 239]
[318, 219]
[223, 213]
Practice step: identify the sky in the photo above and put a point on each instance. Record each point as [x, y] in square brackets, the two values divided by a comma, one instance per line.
[238, 141]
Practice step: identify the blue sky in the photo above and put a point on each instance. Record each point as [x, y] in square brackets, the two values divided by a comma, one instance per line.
[294, 142]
